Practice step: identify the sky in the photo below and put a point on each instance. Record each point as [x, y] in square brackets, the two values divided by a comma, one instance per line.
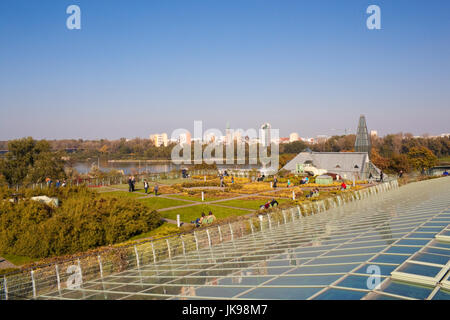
[141, 67]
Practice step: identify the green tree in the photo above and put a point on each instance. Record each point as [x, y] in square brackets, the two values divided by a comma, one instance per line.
[294, 147]
[421, 157]
[29, 160]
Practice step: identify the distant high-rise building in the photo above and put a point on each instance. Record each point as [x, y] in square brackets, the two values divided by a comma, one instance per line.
[362, 143]
[159, 139]
[265, 138]
[228, 134]
[185, 138]
[293, 137]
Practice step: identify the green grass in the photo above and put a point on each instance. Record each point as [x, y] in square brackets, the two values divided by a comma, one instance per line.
[124, 194]
[17, 260]
[155, 203]
[207, 197]
[189, 214]
[444, 160]
[163, 230]
[140, 185]
[249, 203]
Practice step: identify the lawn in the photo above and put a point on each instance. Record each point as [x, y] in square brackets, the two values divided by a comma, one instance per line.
[189, 214]
[198, 197]
[17, 260]
[155, 203]
[135, 194]
[252, 202]
[140, 184]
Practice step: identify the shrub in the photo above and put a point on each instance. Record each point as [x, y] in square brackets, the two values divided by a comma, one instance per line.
[84, 220]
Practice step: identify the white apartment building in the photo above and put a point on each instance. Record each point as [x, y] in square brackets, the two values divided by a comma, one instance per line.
[159, 139]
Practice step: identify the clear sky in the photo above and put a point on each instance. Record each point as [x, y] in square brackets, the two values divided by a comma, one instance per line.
[139, 67]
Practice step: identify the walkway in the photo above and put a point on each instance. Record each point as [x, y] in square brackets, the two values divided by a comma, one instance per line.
[5, 264]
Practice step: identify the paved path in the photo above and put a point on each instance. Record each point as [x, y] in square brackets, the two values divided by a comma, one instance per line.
[5, 264]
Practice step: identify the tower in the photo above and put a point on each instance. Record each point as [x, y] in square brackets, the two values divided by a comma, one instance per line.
[362, 143]
[265, 134]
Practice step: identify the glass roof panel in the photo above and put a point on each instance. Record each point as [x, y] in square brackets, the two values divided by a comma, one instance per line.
[303, 257]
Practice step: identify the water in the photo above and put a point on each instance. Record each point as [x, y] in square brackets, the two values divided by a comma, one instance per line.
[133, 167]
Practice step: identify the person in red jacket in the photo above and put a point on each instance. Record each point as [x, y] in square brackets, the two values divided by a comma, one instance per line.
[343, 186]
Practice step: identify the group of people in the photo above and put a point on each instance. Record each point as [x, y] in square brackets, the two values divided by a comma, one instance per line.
[204, 219]
[184, 174]
[58, 183]
[313, 193]
[304, 180]
[132, 183]
[268, 204]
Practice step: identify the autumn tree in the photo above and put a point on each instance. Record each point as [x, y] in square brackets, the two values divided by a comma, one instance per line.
[421, 157]
[399, 162]
[379, 161]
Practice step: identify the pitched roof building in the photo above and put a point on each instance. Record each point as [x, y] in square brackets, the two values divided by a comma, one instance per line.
[345, 164]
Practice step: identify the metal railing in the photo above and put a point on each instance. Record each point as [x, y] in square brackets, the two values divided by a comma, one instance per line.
[70, 274]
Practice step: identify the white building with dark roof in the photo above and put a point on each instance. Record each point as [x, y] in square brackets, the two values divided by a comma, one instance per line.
[344, 164]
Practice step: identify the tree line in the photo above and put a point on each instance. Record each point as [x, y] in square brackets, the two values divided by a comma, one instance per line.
[32, 161]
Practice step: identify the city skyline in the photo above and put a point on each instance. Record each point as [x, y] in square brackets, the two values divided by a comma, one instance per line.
[139, 67]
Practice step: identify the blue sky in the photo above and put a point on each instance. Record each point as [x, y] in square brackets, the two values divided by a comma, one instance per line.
[138, 67]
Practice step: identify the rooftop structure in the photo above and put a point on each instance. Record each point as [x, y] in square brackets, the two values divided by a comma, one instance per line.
[362, 142]
[401, 235]
[345, 164]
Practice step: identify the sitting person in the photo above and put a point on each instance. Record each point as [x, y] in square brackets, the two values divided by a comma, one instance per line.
[266, 205]
[199, 221]
[310, 195]
[209, 219]
[445, 174]
[273, 203]
[343, 186]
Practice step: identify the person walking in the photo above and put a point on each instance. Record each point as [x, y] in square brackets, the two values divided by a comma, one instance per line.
[381, 176]
[400, 174]
[275, 181]
[133, 183]
[130, 185]
[156, 189]
[146, 186]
